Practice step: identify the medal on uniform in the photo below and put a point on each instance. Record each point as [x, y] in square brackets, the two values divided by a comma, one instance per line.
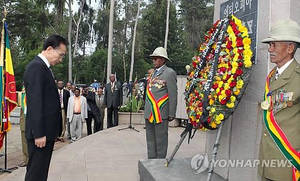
[265, 105]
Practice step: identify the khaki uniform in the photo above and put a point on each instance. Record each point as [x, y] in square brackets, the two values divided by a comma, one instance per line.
[157, 134]
[287, 116]
[24, 141]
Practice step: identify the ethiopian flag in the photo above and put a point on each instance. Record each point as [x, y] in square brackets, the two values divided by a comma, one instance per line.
[8, 94]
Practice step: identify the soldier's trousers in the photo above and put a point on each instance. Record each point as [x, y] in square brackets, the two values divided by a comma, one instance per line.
[157, 139]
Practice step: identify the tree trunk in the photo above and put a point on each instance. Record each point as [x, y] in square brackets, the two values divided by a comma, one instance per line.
[167, 24]
[125, 39]
[133, 41]
[82, 3]
[70, 41]
[110, 39]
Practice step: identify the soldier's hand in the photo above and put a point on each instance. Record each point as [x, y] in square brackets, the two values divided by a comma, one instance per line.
[171, 118]
[40, 142]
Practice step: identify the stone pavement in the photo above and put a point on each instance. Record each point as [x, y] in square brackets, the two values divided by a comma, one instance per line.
[109, 155]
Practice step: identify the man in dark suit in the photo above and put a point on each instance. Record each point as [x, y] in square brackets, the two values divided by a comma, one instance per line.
[63, 98]
[93, 112]
[43, 118]
[113, 98]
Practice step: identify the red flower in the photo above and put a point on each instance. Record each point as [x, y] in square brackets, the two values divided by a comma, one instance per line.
[239, 42]
[223, 101]
[208, 119]
[198, 116]
[228, 76]
[235, 76]
[241, 64]
[229, 45]
[240, 57]
[215, 86]
[200, 104]
[232, 84]
[228, 93]
[240, 51]
[194, 64]
[223, 69]
[239, 72]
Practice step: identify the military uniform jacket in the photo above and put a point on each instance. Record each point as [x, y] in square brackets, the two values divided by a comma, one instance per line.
[287, 115]
[165, 83]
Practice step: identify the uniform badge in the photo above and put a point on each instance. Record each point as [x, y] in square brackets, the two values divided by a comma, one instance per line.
[265, 105]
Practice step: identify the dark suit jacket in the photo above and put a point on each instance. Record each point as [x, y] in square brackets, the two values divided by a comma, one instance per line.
[43, 107]
[66, 96]
[113, 99]
[91, 100]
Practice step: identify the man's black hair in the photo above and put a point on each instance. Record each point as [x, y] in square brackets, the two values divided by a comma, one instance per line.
[54, 41]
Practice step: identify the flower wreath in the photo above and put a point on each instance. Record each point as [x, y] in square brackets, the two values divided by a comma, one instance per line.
[218, 75]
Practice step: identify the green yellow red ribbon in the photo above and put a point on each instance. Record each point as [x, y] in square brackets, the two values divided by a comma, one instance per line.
[276, 132]
[155, 116]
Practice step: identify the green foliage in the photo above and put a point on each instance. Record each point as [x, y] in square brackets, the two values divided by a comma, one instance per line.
[31, 21]
[133, 104]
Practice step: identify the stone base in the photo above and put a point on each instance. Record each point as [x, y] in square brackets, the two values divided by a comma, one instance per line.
[179, 169]
[136, 118]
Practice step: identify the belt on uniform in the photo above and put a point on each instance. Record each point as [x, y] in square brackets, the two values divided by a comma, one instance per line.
[76, 113]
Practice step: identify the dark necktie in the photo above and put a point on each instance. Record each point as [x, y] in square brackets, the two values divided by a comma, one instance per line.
[155, 73]
[52, 73]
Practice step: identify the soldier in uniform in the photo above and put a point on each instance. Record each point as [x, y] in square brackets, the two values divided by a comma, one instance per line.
[22, 104]
[283, 102]
[160, 105]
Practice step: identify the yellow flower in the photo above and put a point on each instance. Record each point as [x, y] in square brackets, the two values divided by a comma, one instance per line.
[248, 63]
[239, 84]
[247, 41]
[247, 52]
[234, 42]
[243, 29]
[235, 51]
[226, 86]
[237, 92]
[213, 125]
[220, 117]
[235, 64]
[218, 78]
[230, 105]
[211, 102]
[245, 34]
[224, 76]
[220, 84]
[217, 90]
[236, 57]
[233, 70]
[232, 98]
[218, 122]
[214, 45]
[212, 110]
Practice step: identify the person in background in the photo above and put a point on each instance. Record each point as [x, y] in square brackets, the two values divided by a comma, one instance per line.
[100, 104]
[76, 114]
[93, 111]
[23, 111]
[113, 98]
[63, 98]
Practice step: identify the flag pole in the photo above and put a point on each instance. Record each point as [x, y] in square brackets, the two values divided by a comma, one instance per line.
[5, 169]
